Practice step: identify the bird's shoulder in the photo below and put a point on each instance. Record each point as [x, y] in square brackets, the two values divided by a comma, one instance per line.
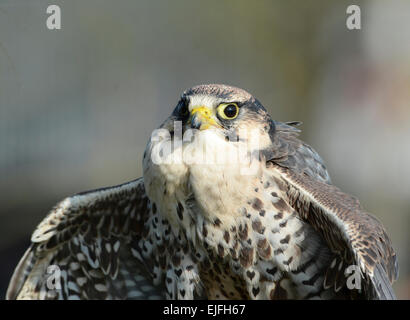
[351, 232]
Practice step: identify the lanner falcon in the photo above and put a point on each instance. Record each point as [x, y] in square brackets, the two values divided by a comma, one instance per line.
[231, 205]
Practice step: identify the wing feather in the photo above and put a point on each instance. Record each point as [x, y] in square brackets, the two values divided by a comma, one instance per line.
[92, 240]
[354, 234]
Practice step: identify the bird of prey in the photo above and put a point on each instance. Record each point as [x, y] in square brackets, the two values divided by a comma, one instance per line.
[231, 205]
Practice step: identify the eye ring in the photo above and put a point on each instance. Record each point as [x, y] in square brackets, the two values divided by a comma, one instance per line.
[228, 111]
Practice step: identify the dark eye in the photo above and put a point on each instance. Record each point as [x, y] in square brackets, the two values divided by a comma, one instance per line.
[228, 111]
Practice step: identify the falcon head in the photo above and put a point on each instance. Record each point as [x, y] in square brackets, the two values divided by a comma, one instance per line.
[225, 110]
[215, 119]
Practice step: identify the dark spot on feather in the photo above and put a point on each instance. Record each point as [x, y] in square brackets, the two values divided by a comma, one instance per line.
[257, 204]
[220, 250]
[243, 232]
[287, 262]
[272, 271]
[180, 210]
[283, 224]
[250, 274]
[255, 291]
[285, 240]
[226, 236]
[185, 248]
[178, 272]
[52, 242]
[217, 222]
[278, 216]
[257, 226]
[280, 204]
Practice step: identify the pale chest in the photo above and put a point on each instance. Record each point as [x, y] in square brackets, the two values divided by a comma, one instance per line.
[245, 239]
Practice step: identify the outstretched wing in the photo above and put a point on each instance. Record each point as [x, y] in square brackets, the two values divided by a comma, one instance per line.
[88, 248]
[356, 237]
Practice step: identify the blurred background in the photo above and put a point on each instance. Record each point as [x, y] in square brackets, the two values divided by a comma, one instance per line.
[77, 105]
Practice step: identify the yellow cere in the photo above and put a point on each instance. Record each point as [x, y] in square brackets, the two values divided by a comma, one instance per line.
[205, 115]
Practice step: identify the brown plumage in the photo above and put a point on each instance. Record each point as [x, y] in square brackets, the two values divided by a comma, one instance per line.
[207, 230]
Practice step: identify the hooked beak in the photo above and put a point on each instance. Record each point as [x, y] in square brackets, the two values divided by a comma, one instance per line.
[202, 118]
